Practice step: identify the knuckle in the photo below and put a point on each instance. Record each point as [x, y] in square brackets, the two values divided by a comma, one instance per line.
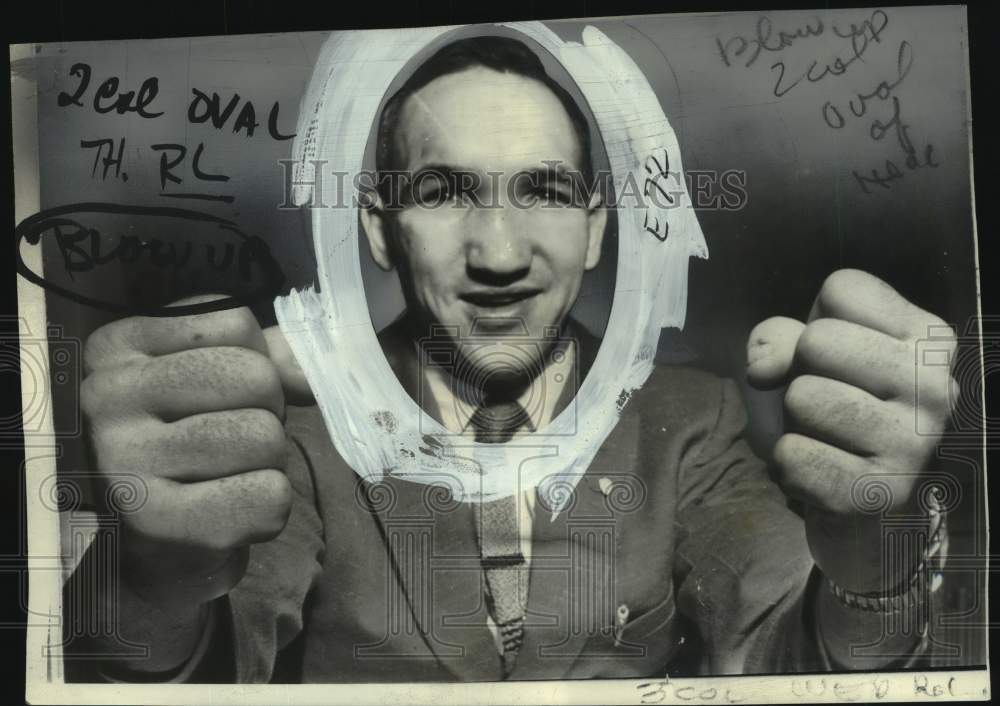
[273, 436]
[264, 430]
[940, 327]
[276, 505]
[243, 325]
[123, 445]
[260, 503]
[168, 377]
[837, 284]
[800, 395]
[147, 528]
[954, 391]
[224, 540]
[92, 395]
[951, 339]
[785, 452]
[261, 373]
[111, 342]
[937, 390]
[104, 390]
[840, 503]
[257, 430]
[814, 339]
[207, 530]
[930, 325]
[95, 349]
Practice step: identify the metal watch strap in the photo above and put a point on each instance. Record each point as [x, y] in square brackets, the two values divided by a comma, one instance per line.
[926, 577]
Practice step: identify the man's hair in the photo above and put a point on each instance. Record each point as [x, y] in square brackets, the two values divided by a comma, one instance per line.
[501, 54]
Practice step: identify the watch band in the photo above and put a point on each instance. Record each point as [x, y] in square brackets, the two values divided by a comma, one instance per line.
[926, 577]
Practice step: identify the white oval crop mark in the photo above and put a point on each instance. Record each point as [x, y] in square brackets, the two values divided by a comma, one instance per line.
[331, 333]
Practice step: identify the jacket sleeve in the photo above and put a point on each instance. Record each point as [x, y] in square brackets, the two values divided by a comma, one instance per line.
[743, 565]
[263, 614]
[744, 571]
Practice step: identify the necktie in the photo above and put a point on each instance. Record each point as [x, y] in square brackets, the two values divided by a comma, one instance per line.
[500, 539]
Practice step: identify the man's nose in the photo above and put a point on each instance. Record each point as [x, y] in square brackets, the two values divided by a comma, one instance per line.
[498, 250]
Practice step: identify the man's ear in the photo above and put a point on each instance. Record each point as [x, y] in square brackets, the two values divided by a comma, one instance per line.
[597, 220]
[374, 220]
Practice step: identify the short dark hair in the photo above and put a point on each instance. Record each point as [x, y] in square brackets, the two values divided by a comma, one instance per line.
[503, 54]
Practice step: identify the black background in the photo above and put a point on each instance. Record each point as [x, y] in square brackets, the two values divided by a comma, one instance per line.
[42, 21]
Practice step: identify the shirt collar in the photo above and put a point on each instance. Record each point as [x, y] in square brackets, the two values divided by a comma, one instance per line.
[539, 399]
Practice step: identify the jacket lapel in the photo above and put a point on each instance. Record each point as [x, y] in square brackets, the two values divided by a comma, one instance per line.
[571, 595]
[436, 560]
[434, 550]
[571, 589]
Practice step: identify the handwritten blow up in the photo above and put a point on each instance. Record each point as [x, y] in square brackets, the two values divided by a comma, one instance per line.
[875, 106]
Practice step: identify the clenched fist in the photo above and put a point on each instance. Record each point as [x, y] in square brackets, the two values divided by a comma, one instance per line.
[854, 403]
[194, 405]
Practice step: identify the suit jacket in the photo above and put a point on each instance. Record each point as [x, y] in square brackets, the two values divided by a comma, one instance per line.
[677, 553]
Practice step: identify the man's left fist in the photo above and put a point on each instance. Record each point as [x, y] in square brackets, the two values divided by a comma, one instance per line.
[857, 395]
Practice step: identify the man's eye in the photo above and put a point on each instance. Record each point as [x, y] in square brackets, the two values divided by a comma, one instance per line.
[438, 192]
[552, 196]
[432, 192]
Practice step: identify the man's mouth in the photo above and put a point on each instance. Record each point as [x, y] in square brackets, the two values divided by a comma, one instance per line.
[498, 298]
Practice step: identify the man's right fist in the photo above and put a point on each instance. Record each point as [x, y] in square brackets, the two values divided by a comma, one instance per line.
[194, 405]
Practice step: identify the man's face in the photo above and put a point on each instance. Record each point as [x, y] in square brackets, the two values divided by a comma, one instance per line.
[513, 248]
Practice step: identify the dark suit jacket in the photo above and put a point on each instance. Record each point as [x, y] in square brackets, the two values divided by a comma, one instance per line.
[372, 583]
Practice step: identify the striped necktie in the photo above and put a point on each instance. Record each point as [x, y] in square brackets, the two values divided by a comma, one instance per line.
[500, 538]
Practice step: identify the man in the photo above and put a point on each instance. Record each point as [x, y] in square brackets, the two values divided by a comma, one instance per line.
[261, 556]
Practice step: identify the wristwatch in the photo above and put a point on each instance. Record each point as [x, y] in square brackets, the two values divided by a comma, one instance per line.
[926, 577]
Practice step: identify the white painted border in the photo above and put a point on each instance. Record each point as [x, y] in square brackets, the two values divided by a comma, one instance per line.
[330, 330]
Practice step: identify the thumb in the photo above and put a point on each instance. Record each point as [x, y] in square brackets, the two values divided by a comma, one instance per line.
[293, 380]
[770, 350]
